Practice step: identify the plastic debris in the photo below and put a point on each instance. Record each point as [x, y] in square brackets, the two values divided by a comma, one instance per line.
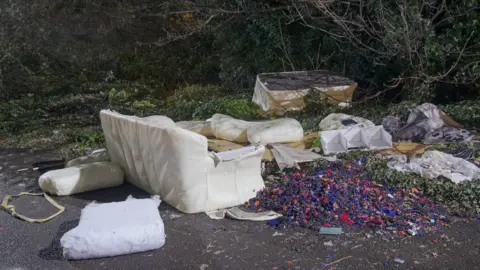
[398, 260]
[326, 230]
[328, 244]
[342, 194]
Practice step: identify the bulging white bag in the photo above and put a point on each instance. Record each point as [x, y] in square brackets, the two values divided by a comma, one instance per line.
[201, 127]
[275, 131]
[81, 178]
[159, 120]
[230, 129]
[117, 228]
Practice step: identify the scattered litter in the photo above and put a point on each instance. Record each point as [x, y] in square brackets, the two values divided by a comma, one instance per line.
[277, 234]
[432, 164]
[11, 207]
[337, 261]
[340, 193]
[22, 170]
[81, 178]
[45, 166]
[203, 266]
[173, 216]
[398, 260]
[357, 246]
[327, 230]
[117, 228]
[238, 214]
[328, 244]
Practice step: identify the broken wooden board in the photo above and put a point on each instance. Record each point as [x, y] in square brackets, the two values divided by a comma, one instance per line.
[406, 148]
[222, 145]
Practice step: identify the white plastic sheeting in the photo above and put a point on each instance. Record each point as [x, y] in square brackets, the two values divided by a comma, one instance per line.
[117, 228]
[175, 164]
[287, 157]
[335, 141]
[336, 121]
[81, 178]
[275, 131]
[433, 164]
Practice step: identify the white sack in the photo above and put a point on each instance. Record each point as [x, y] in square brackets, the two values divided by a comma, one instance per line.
[100, 155]
[81, 178]
[201, 127]
[334, 121]
[159, 120]
[276, 131]
[433, 164]
[227, 128]
[117, 228]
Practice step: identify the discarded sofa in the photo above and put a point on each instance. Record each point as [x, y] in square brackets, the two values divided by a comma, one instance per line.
[174, 163]
[336, 141]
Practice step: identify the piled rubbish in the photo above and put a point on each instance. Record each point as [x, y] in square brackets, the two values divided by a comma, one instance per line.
[433, 164]
[276, 93]
[342, 194]
[428, 124]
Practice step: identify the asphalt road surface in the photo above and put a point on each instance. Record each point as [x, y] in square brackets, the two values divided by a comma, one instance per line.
[197, 242]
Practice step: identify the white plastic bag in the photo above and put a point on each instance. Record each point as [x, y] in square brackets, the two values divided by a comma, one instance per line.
[99, 155]
[201, 127]
[81, 178]
[227, 128]
[276, 131]
[117, 228]
[341, 121]
[159, 120]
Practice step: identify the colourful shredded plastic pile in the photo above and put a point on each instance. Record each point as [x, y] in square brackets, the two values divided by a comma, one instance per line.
[343, 195]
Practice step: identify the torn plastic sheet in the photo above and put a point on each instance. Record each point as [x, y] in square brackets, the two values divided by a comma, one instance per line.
[287, 157]
[433, 164]
[238, 214]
